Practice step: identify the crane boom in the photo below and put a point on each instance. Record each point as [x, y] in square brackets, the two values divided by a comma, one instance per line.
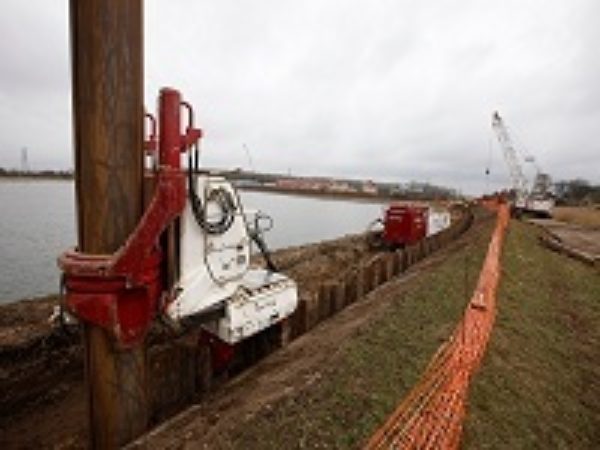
[519, 182]
[540, 200]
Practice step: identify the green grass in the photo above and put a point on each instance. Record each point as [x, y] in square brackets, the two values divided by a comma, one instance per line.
[376, 368]
[539, 386]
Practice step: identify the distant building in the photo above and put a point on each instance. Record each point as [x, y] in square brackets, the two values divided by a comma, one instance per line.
[369, 187]
[288, 183]
[341, 186]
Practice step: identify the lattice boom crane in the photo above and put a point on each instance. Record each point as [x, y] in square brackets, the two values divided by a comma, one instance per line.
[519, 182]
[539, 201]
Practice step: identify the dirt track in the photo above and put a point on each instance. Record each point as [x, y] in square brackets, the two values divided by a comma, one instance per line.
[581, 238]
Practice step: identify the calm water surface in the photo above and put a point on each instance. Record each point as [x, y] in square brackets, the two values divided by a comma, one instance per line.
[38, 222]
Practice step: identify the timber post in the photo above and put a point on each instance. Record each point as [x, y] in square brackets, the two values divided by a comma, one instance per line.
[107, 82]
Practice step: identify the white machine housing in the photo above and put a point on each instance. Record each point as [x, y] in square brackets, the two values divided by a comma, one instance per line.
[215, 272]
[541, 206]
[437, 220]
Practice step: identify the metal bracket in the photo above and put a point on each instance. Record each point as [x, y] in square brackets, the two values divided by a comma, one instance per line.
[121, 292]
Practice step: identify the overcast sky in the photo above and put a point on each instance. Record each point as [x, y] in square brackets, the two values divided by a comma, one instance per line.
[391, 90]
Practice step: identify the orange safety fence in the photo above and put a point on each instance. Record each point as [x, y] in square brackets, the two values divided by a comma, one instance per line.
[431, 416]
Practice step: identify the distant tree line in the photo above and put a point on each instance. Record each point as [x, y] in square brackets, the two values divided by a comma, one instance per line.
[56, 174]
[413, 190]
[577, 192]
[417, 191]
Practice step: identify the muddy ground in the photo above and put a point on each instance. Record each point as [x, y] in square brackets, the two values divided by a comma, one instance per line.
[583, 238]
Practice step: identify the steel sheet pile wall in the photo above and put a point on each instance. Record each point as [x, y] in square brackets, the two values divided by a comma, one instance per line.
[359, 281]
[432, 414]
[179, 369]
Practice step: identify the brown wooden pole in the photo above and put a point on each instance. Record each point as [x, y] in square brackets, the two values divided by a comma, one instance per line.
[107, 81]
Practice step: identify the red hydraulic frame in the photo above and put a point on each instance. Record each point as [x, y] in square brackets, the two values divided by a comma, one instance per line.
[122, 292]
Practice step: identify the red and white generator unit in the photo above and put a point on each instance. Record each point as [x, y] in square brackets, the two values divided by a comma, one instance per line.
[406, 224]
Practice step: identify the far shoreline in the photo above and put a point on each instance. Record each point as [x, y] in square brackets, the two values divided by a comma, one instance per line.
[362, 197]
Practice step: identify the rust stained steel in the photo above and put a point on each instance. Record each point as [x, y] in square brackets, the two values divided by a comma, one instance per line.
[121, 292]
[151, 144]
[431, 416]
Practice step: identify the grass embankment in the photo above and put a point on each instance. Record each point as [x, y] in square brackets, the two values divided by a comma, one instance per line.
[539, 386]
[375, 369]
[585, 216]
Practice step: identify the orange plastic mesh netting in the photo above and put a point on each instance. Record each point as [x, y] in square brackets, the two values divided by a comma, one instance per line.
[431, 416]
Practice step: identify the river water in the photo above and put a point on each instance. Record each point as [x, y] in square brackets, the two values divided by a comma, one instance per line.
[38, 222]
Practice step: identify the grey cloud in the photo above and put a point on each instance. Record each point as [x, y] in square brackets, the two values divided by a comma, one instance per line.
[389, 89]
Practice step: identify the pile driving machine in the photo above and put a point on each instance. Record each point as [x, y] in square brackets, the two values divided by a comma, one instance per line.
[187, 261]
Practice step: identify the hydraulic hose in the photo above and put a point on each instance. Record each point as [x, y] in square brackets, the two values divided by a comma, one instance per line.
[264, 250]
[227, 205]
[219, 195]
[256, 234]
